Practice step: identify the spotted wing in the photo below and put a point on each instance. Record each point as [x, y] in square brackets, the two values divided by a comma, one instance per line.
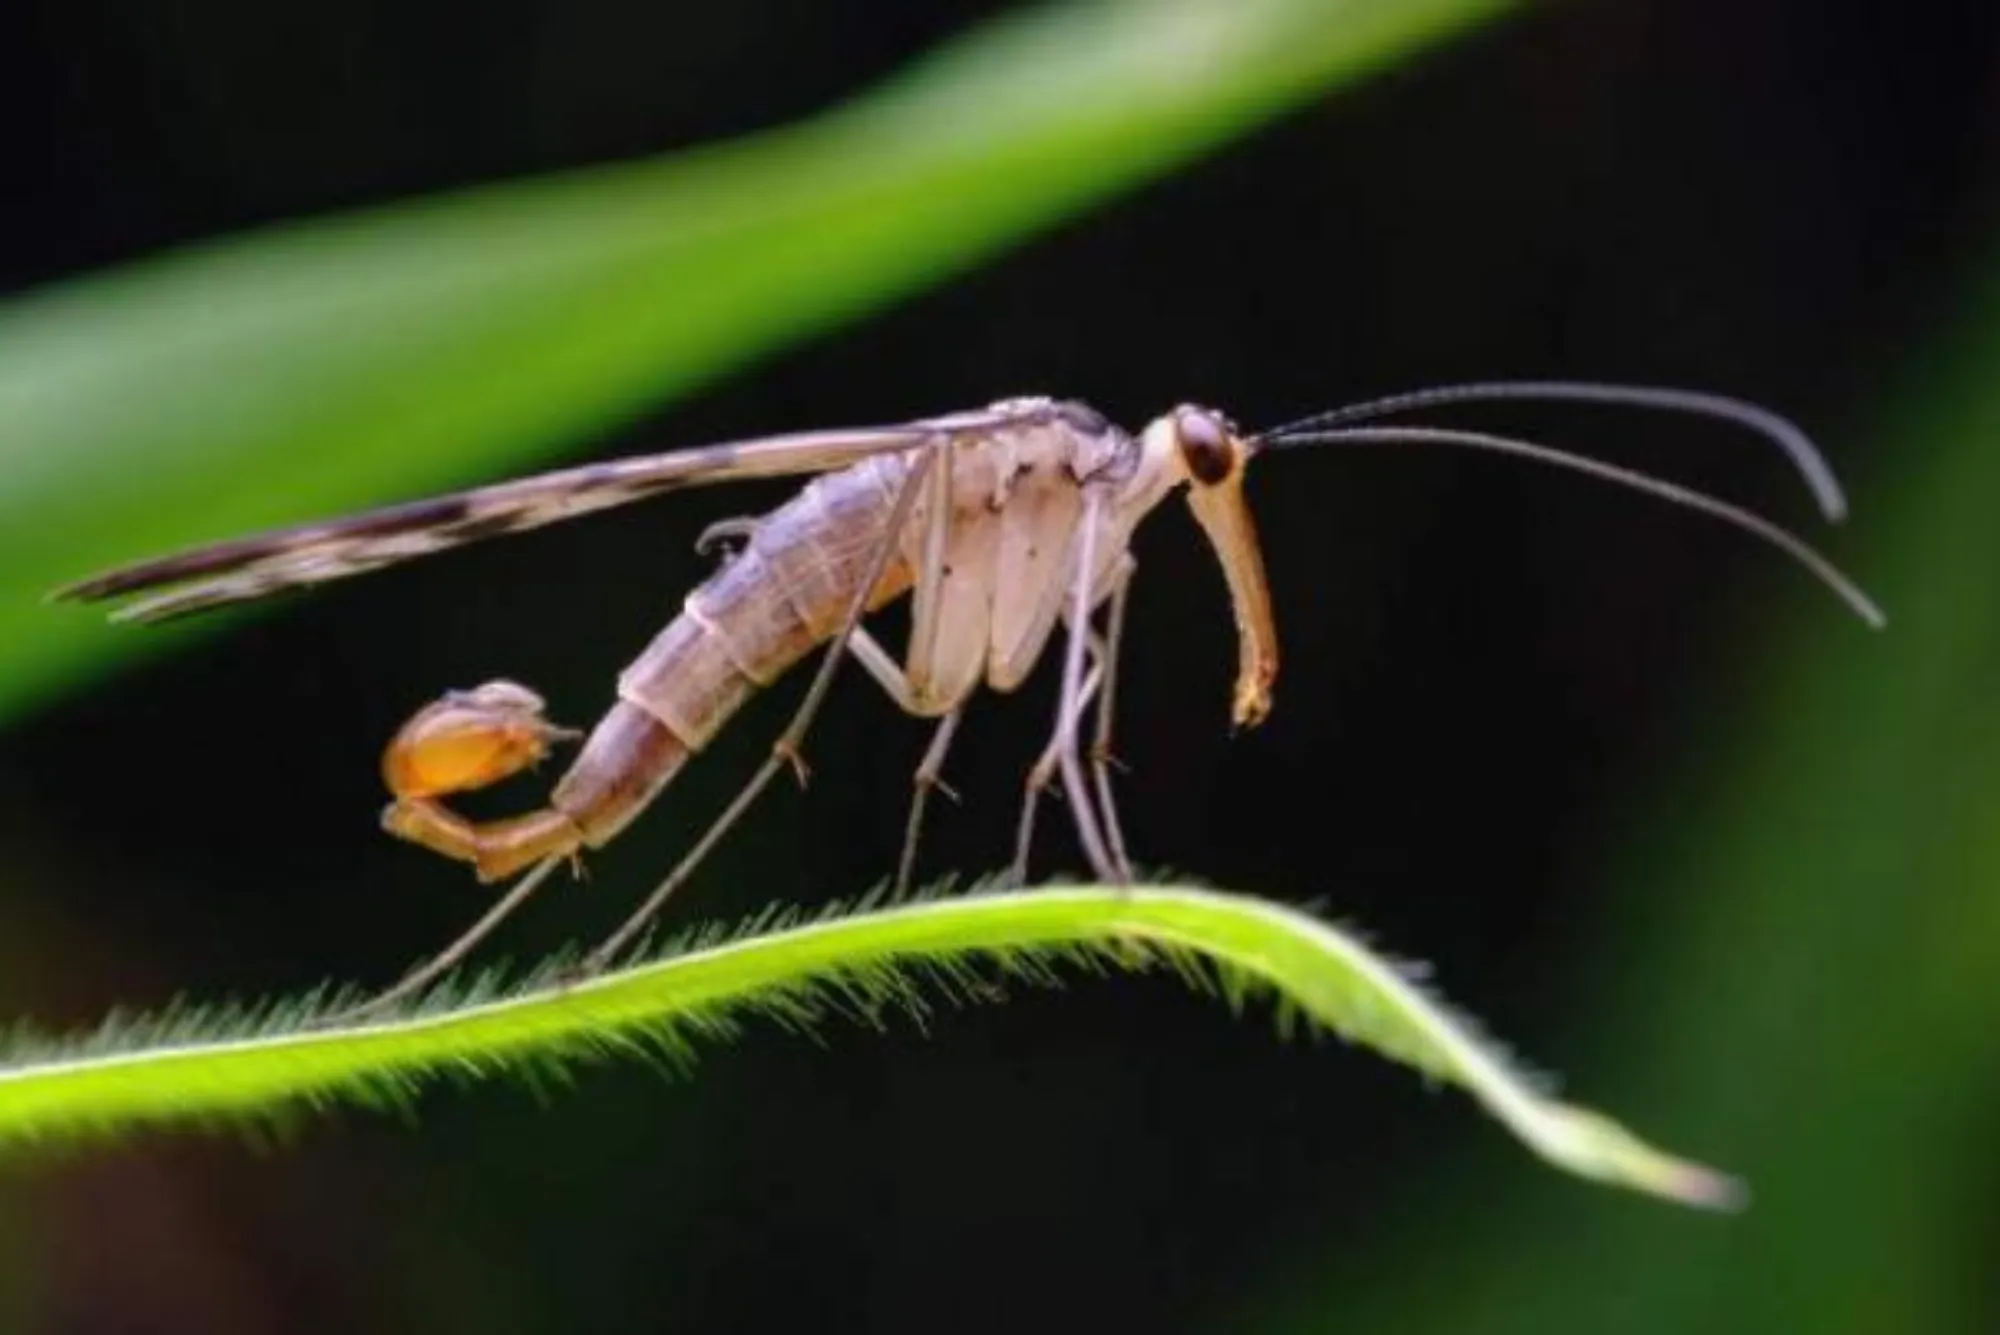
[265, 563]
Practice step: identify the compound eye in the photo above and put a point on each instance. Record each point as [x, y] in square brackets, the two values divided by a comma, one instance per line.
[1206, 447]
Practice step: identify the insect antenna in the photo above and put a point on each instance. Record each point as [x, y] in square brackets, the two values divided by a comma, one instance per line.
[1786, 435]
[1686, 497]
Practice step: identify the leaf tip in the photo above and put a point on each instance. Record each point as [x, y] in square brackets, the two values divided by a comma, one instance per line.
[1593, 1145]
[1702, 1187]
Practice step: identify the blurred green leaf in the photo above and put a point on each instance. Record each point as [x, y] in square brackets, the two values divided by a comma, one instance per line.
[208, 1067]
[317, 366]
[1801, 960]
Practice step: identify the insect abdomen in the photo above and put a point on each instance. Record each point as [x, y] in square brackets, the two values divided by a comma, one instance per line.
[768, 606]
[787, 591]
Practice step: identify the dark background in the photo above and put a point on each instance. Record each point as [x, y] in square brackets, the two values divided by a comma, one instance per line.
[1491, 671]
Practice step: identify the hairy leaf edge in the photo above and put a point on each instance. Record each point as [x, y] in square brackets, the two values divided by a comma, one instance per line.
[232, 1064]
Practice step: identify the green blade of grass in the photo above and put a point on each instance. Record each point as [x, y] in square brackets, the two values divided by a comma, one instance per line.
[316, 366]
[206, 1066]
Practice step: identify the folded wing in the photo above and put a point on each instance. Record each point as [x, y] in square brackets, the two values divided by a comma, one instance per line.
[247, 568]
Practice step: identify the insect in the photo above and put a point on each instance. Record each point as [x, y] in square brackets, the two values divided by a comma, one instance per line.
[999, 524]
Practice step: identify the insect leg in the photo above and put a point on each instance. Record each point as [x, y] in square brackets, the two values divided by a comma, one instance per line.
[784, 751]
[1040, 776]
[1101, 759]
[1048, 764]
[882, 667]
[426, 973]
[926, 599]
[925, 779]
[1070, 709]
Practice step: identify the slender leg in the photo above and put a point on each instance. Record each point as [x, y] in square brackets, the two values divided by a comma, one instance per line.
[926, 613]
[428, 972]
[913, 685]
[1102, 674]
[882, 667]
[785, 751]
[1040, 776]
[925, 779]
[1075, 790]
[1101, 759]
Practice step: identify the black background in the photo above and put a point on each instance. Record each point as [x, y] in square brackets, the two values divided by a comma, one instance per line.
[1488, 668]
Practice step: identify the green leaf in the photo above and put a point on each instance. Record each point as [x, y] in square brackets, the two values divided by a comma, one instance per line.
[321, 365]
[206, 1066]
